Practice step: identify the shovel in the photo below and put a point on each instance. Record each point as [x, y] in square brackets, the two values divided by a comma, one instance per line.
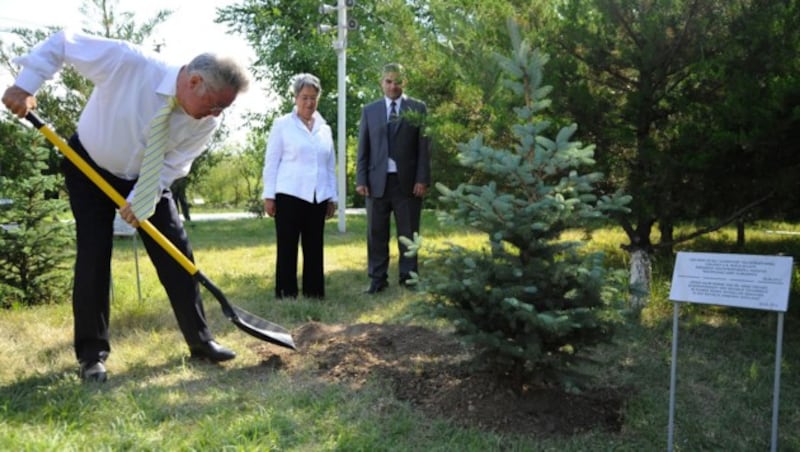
[245, 321]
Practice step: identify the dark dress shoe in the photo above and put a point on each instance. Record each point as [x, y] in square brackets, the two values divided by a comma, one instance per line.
[94, 372]
[377, 285]
[211, 351]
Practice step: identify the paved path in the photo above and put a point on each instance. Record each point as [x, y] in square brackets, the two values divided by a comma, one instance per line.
[240, 215]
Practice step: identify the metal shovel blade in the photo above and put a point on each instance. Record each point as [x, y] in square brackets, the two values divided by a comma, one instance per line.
[245, 321]
[262, 329]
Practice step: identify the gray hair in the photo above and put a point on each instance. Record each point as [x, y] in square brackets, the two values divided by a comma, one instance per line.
[219, 72]
[300, 81]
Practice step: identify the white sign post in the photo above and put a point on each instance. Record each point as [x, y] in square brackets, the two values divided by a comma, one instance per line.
[737, 280]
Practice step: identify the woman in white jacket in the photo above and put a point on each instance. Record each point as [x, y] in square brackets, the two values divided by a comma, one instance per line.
[300, 188]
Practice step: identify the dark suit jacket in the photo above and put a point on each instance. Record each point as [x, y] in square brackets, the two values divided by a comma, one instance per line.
[409, 141]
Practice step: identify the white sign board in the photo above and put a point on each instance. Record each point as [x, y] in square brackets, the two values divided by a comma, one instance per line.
[738, 280]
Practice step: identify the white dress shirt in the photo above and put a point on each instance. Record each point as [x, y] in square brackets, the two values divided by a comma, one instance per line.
[300, 162]
[129, 87]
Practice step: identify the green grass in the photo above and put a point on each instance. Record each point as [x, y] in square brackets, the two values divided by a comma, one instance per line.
[156, 399]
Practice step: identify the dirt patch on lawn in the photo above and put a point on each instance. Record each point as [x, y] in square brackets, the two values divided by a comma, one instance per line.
[431, 371]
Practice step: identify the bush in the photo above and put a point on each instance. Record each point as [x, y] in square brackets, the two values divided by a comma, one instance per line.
[35, 244]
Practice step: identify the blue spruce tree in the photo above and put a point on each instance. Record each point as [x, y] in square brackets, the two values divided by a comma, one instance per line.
[529, 301]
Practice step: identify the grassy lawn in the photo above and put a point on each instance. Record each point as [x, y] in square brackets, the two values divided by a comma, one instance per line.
[157, 399]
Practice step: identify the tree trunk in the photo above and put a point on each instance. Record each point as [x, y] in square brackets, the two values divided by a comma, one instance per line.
[640, 249]
[641, 276]
[667, 237]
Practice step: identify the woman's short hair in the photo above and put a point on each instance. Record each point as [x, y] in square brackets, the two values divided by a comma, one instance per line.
[300, 81]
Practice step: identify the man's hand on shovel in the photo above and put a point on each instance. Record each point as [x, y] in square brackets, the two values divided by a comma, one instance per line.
[126, 212]
[19, 101]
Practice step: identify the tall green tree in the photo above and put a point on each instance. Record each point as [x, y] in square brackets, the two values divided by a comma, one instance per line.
[642, 75]
[754, 125]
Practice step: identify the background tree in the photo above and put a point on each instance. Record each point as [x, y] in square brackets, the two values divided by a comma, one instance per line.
[203, 166]
[104, 18]
[250, 162]
[35, 243]
[753, 125]
[531, 301]
[452, 42]
[644, 77]
[235, 181]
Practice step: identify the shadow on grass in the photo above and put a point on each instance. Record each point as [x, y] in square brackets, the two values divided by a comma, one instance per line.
[345, 300]
[60, 395]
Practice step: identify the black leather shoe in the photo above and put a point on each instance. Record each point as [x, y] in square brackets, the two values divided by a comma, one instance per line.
[377, 285]
[211, 351]
[93, 372]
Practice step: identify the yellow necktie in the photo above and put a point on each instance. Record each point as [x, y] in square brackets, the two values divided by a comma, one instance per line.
[146, 192]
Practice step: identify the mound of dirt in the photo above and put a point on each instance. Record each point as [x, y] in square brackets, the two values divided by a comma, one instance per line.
[431, 371]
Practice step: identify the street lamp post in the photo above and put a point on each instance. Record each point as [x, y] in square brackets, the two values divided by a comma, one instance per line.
[340, 46]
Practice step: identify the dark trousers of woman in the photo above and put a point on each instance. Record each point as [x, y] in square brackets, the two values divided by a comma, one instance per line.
[300, 221]
[94, 223]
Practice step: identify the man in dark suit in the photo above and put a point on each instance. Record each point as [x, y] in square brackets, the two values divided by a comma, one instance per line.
[393, 172]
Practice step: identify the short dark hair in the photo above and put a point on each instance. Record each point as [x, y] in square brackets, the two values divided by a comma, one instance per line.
[394, 67]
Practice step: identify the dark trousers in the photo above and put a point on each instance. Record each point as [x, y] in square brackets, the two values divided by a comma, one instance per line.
[300, 221]
[94, 223]
[182, 203]
[407, 211]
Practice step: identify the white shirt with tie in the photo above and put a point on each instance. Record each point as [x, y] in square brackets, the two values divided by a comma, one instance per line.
[130, 86]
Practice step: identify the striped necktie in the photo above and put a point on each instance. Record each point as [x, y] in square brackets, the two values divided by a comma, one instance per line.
[146, 192]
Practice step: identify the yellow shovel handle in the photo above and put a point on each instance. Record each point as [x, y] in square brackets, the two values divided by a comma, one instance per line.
[112, 193]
